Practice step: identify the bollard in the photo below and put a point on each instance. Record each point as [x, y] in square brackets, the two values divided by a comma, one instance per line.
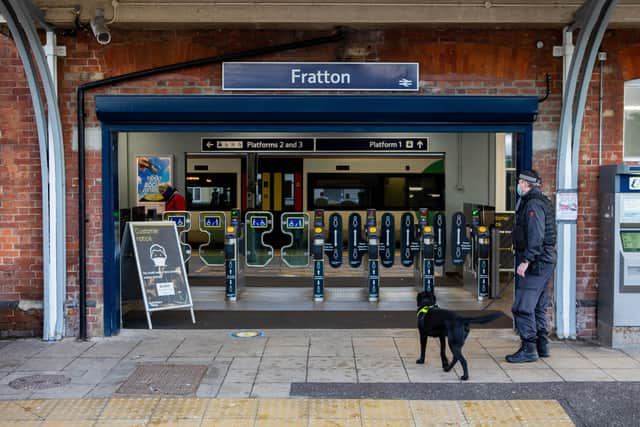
[374, 262]
[484, 244]
[317, 251]
[231, 256]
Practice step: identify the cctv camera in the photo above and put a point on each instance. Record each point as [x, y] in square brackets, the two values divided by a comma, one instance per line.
[99, 28]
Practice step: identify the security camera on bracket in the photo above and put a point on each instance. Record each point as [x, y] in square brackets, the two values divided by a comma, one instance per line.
[99, 28]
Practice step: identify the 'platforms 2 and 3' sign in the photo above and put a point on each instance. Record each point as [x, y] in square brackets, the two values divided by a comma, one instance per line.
[291, 76]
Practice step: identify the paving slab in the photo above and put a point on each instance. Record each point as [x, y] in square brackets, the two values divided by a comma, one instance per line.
[106, 348]
[336, 375]
[89, 370]
[23, 349]
[193, 347]
[67, 348]
[245, 363]
[288, 350]
[151, 349]
[235, 389]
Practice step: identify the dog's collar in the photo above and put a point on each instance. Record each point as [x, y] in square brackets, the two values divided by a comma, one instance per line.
[425, 309]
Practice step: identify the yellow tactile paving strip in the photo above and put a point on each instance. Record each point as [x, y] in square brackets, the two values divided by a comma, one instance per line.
[194, 412]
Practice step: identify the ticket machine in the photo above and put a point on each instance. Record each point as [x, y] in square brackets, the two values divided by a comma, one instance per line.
[619, 281]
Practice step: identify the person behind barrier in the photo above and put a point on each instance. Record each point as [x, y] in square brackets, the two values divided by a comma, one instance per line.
[174, 201]
[534, 238]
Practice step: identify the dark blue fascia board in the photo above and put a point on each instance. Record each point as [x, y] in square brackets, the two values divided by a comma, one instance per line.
[272, 109]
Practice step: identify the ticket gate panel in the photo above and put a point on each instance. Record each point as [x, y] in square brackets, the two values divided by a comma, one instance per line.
[182, 219]
[357, 247]
[333, 246]
[387, 240]
[440, 242]
[460, 244]
[214, 224]
[408, 243]
[257, 225]
[296, 225]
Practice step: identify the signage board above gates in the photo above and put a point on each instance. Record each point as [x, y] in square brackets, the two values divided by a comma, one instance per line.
[257, 145]
[325, 76]
[340, 144]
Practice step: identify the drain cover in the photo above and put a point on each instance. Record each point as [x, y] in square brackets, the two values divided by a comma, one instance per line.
[164, 379]
[39, 382]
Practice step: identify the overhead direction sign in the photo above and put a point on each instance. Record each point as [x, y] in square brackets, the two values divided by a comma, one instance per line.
[340, 144]
[257, 145]
[325, 76]
[373, 144]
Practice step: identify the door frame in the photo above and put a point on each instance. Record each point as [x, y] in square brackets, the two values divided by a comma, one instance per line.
[289, 114]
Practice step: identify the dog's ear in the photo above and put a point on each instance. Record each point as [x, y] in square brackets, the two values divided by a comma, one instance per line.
[419, 298]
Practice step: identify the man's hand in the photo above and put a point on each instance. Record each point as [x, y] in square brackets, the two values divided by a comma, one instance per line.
[522, 268]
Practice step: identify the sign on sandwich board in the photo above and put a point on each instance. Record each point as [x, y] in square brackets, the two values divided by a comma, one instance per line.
[155, 246]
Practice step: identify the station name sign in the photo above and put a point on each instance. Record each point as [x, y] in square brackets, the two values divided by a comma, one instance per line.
[316, 145]
[325, 76]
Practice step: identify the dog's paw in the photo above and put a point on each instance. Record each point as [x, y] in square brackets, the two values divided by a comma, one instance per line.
[420, 361]
[464, 377]
[447, 368]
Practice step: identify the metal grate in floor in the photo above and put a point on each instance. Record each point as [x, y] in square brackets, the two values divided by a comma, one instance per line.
[163, 379]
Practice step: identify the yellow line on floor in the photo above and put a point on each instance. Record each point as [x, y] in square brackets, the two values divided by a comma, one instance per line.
[156, 411]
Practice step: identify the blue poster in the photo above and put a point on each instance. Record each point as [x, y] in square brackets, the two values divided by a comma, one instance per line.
[152, 171]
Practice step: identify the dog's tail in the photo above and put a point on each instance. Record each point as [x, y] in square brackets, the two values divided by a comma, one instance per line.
[483, 319]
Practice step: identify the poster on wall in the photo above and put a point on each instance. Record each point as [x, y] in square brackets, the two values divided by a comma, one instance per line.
[152, 170]
[567, 206]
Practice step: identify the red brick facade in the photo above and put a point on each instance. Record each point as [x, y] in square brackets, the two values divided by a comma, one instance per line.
[452, 62]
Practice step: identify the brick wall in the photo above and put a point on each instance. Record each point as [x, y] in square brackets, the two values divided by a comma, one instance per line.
[20, 201]
[452, 62]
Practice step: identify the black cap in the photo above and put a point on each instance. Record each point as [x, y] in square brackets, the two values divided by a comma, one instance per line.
[530, 176]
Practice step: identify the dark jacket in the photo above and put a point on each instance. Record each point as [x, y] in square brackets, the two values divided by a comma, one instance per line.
[534, 234]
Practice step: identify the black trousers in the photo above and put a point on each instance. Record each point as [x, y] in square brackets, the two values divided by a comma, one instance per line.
[530, 303]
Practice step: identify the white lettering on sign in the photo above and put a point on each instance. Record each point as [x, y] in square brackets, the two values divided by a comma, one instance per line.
[383, 144]
[165, 289]
[253, 145]
[319, 77]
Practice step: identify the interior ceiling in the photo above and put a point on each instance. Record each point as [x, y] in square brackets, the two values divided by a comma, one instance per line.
[152, 14]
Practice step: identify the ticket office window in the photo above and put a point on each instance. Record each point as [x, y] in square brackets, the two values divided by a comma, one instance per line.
[377, 191]
[211, 191]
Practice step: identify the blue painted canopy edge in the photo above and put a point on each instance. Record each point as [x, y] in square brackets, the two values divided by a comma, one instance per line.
[272, 109]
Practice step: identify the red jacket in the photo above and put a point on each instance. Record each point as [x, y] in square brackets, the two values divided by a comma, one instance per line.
[176, 202]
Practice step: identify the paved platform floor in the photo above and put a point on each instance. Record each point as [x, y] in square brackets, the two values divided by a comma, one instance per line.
[367, 369]
[266, 366]
[279, 413]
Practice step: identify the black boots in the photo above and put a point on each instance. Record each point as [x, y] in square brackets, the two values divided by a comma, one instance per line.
[542, 345]
[526, 353]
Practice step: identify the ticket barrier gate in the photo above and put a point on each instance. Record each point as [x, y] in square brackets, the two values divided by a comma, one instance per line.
[422, 243]
[182, 219]
[461, 247]
[256, 252]
[378, 246]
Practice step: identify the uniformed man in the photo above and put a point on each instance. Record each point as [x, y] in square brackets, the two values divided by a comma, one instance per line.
[534, 238]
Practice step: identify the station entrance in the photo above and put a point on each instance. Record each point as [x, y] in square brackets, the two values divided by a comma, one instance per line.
[312, 219]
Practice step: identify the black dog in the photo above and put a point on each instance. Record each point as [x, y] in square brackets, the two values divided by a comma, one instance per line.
[437, 322]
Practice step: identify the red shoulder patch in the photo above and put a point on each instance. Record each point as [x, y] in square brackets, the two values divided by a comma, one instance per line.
[532, 214]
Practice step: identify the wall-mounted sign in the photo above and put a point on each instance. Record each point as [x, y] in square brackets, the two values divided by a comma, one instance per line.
[407, 144]
[567, 206]
[325, 76]
[161, 271]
